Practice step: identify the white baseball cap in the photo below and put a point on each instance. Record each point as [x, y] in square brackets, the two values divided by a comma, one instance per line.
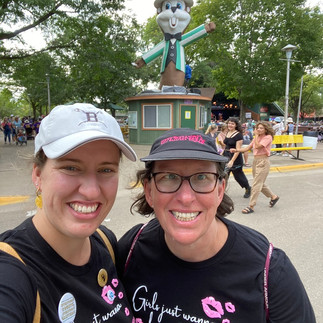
[69, 126]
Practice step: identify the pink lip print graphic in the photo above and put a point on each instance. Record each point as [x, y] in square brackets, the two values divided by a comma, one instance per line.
[108, 294]
[230, 307]
[212, 308]
[115, 283]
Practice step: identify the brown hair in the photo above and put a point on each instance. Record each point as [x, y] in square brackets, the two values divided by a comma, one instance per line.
[141, 206]
[237, 122]
[210, 128]
[40, 159]
[268, 128]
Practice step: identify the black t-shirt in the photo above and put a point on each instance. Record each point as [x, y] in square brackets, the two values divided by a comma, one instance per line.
[225, 288]
[65, 288]
[231, 142]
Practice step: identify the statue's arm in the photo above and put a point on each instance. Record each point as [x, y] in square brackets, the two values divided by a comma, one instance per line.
[150, 55]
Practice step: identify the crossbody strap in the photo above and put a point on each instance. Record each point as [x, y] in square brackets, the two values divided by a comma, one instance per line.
[266, 274]
[107, 243]
[133, 245]
[11, 251]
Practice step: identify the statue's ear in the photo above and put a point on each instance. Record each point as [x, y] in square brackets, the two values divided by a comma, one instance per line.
[188, 9]
[159, 10]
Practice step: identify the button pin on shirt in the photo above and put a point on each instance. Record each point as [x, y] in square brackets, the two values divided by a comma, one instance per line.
[102, 277]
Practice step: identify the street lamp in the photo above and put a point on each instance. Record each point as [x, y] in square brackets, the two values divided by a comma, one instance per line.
[288, 49]
[48, 91]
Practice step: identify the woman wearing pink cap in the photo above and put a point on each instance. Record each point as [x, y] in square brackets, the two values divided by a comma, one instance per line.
[190, 264]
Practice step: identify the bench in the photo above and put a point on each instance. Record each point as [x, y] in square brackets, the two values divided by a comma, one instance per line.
[289, 139]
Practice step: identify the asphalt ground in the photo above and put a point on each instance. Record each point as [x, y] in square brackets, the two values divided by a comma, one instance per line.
[295, 223]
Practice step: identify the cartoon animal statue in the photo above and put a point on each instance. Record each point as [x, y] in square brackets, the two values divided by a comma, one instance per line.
[173, 17]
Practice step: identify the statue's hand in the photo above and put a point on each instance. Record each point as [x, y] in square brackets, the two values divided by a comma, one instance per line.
[139, 63]
[210, 27]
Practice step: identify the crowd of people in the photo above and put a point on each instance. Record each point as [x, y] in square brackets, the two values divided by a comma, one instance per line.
[17, 130]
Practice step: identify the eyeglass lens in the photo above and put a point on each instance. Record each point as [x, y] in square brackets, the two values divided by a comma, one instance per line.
[200, 182]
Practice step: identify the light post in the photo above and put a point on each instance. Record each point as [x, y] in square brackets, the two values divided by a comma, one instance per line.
[288, 49]
[48, 91]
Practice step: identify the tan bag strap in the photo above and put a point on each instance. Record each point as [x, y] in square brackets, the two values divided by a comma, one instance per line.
[107, 243]
[11, 251]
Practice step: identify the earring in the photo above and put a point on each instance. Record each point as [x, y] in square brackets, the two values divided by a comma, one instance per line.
[38, 200]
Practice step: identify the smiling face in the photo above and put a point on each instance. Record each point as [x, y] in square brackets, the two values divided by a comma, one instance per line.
[78, 189]
[261, 130]
[232, 126]
[173, 16]
[187, 217]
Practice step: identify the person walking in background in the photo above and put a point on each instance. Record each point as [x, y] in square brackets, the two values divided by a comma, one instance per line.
[68, 268]
[261, 145]
[250, 126]
[7, 130]
[211, 131]
[278, 130]
[16, 124]
[234, 139]
[220, 137]
[191, 263]
[289, 130]
[247, 137]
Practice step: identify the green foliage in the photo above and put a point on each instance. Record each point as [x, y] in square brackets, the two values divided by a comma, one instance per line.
[246, 45]
[88, 54]
[8, 105]
[100, 66]
[31, 74]
[312, 95]
[47, 16]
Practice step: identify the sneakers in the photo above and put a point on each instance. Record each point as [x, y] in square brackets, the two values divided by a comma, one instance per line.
[247, 193]
[285, 155]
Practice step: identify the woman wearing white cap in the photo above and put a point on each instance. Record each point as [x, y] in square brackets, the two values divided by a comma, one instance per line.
[289, 130]
[190, 264]
[68, 274]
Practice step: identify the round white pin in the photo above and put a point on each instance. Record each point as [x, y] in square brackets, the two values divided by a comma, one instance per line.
[67, 308]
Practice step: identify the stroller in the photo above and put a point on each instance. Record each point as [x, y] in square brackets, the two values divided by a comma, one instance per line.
[320, 136]
[21, 137]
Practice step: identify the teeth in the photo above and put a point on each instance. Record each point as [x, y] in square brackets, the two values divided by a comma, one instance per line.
[83, 209]
[173, 21]
[185, 217]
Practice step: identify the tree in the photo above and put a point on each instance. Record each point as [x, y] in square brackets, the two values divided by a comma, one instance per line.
[47, 16]
[8, 105]
[312, 96]
[100, 69]
[246, 46]
[30, 74]
[95, 68]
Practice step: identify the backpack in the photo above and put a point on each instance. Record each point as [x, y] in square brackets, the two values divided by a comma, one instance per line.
[11, 251]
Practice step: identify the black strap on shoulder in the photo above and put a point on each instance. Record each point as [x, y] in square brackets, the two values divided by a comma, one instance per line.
[266, 274]
[11, 251]
[133, 245]
[107, 243]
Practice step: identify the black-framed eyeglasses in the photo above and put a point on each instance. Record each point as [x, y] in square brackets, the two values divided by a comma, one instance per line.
[199, 182]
